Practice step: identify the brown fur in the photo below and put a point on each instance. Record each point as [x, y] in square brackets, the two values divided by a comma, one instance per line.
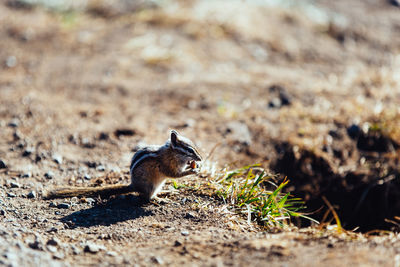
[149, 169]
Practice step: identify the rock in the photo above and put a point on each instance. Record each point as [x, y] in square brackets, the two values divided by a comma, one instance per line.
[26, 175]
[285, 98]
[52, 249]
[36, 245]
[93, 248]
[63, 206]
[17, 135]
[184, 232]
[115, 169]
[177, 243]
[51, 230]
[28, 151]
[275, 103]
[52, 204]
[157, 260]
[11, 61]
[58, 256]
[49, 175]
[2, 212]
[57, 158]
[100, 168]
[354, 131]
[86, 143]
[32, 194]
[14, 185]
[91, 164]
[53, 242]
[2, 165]
[14, 123]
[282, 97]
[239, 131]
[104, 136]
[125, 132]
[87, 177]
[112, 253]
[75, 250]
[10, 194]
[190, 215]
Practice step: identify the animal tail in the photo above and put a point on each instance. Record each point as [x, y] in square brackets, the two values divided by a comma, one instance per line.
[103, 191]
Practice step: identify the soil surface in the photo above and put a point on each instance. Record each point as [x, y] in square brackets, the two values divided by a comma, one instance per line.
[308, 89]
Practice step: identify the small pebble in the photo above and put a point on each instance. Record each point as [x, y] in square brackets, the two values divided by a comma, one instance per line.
[63, 206]
[112, 253]
[75, 250]
[49, 175]
[14, 185]
[11, 61]
[53, 242]
[26, 175]
[57, 158]
[239, 131]
[87, 177]
[2, 165]
[354, 131]
[52, 249]
[177, 243]
[157, 260]
[100, 168]
[93, 248]
[52, 204]
[13, 123]
[2, 212]
[51, 229]
[275, 103]
[32, 194]
[59, 256]
[185, 233]
[28, 151]
[36, 245]
[91, 164]
[104, 136]
[190, 215]
[10, 194]
[17, 135]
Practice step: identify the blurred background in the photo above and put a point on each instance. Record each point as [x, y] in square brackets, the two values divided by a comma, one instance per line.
[309, 89]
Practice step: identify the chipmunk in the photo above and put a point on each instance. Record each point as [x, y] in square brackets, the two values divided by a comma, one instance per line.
[150, 166]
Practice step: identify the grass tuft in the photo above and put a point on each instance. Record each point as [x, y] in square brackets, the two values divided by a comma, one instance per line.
[250, 191]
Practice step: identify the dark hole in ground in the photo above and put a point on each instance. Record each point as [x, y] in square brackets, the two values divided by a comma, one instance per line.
[367, 197]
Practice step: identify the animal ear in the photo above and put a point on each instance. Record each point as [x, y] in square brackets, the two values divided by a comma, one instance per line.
[174, 137]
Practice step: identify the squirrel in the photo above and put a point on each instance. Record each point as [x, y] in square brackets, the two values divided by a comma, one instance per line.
[150, 166]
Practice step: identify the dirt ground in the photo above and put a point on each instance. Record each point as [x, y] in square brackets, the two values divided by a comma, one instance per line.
[308, 89]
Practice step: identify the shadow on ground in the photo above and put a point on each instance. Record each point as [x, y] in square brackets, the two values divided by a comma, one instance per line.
[108, 213]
